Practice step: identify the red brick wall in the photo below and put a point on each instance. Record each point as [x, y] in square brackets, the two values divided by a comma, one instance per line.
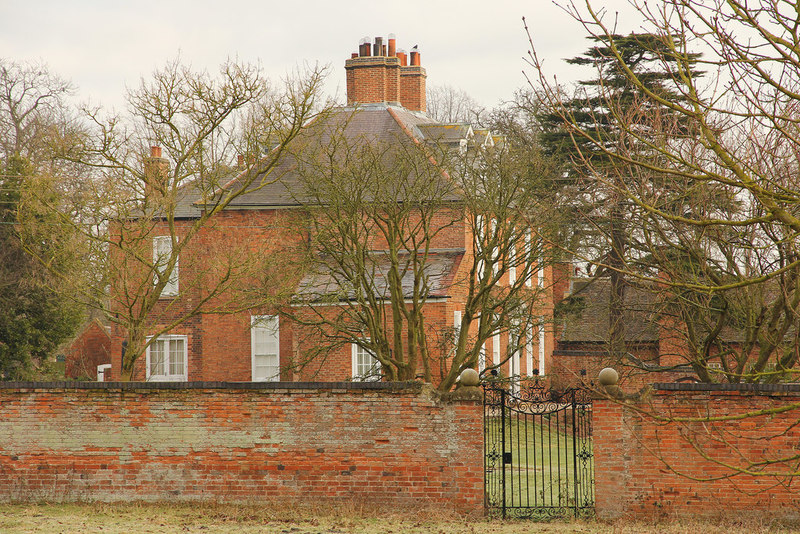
[372, 79]
[578, 362]
[412, 88]
[387, 444]
[647, 469]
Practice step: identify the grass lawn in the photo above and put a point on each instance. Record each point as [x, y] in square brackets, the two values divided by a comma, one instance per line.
[212, 518]
[543, 471]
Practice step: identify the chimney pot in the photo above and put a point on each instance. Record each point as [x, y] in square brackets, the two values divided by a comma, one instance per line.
[415, 59]
[392, 45]
[155, 151]
[354, 55]
[376, 49]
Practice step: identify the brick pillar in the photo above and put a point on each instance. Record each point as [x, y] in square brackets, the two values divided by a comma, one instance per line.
[611, 442]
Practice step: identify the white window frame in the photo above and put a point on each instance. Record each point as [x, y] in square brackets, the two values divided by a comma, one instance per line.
[270, 323]
[167, 377]
[513, 347]
[513, 361]
[357, 352]
[540, 272]
[162, 250]
[479, 229]
[541, 346]
[496, 349]
[495, 254]
[102, 370]
[512, 260]
[529, 256]
[529, 350]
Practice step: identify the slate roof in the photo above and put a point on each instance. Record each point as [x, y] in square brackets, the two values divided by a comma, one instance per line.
[452, 133]
[590, 324]
[367, 123]
[440, 267]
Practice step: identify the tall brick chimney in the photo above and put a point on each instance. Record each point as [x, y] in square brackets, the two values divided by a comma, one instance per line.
[156, 170]
[379, 73]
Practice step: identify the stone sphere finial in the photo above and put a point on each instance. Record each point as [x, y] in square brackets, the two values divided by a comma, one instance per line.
[608, 377]
[469, 377]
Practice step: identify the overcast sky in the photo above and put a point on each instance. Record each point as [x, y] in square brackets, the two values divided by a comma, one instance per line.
[102, 46]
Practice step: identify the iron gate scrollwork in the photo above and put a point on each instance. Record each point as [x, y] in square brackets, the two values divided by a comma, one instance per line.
[538, 450]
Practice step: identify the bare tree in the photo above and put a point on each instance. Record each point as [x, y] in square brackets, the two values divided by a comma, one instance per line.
[146, 219]
[384, 217]
[33, 103]
[713, 181]
[448, 104]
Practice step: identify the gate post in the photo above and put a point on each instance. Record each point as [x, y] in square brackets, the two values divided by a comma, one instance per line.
[503, 445]
[576, 484]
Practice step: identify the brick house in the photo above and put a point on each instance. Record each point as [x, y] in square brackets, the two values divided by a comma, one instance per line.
[385, 102]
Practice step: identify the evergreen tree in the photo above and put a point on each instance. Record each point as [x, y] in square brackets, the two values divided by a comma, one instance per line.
[34, 319]
[582, 134]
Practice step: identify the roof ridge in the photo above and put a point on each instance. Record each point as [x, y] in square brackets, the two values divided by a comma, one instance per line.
[402, 124]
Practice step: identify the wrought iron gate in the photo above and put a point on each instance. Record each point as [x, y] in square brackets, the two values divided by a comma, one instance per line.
[538, 450]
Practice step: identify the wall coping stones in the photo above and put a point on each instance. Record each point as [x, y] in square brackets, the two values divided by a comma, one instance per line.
[266, 386]
[750, 388]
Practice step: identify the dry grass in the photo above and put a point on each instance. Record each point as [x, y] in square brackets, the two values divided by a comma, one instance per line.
[215, 518]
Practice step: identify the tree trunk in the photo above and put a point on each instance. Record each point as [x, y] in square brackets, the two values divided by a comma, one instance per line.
[616, 304]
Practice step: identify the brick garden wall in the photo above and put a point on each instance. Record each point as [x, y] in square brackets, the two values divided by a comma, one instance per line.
[649, 469]
[583, 362]
[382, 443]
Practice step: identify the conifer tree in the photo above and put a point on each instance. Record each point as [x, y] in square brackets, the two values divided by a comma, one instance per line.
[589, 180]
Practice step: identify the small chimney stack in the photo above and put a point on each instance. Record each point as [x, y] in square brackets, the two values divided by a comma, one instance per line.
[412, 83]
[156, 174]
